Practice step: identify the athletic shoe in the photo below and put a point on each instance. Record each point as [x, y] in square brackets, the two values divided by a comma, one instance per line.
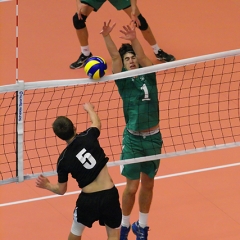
[141, 233]
[124, 233]
[163, 56]
[80, 62]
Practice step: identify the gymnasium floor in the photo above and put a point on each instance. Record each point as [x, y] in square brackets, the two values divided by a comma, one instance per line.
[192, 199]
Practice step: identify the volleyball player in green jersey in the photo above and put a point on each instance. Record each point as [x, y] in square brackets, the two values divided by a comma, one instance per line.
[141, 135]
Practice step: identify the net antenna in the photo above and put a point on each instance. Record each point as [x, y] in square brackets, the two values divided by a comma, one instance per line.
[199, 112]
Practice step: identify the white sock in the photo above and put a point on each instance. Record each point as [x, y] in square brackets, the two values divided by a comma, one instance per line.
[143, 219]
[125, 221]
[155, 48]
[85, 50]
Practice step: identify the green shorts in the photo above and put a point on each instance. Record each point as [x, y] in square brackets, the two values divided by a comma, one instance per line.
[139, 146]
[96, 4]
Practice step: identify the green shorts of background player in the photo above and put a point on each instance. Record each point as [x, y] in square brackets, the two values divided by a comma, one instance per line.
[96, 4]
[135, 146]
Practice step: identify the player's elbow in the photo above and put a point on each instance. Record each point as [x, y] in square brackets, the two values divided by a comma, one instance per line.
[97, 124]
[116, 56]
[62, 188]
[61, 193]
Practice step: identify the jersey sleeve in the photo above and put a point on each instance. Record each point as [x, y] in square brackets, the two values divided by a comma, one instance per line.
[92, 132]
[62, 173]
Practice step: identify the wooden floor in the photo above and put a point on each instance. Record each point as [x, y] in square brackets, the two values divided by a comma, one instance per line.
[193, 199]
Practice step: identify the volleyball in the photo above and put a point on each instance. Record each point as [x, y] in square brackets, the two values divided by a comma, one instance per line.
[95, 67]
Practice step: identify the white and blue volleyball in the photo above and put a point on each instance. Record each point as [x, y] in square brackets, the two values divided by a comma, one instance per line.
[95, 67]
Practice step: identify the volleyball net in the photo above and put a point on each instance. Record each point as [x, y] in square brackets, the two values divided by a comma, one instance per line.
[199, 100]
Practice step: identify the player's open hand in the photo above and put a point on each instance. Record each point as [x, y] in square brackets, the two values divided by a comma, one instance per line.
[107, 28]
[129, 32]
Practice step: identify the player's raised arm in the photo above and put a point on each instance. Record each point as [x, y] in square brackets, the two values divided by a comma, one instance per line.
[129, 33]
[93, 115]
[111, 47]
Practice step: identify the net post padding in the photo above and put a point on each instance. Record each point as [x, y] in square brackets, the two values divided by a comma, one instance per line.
[20, 131]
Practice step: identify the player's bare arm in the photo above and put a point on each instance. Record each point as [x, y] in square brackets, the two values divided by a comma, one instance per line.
[111, 47]
[93, 115]
[58, 188]
[129, 33]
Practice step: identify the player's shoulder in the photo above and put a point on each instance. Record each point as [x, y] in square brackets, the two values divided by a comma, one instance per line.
[88, 132]
[62, 156]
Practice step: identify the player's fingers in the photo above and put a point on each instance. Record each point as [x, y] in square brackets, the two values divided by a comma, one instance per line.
[114, 25]
[129, 28]
[123, 32]
[125, 28]
[42, 177]
[38, 182]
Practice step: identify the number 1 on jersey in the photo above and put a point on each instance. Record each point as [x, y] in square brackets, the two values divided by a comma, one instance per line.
[146, 95]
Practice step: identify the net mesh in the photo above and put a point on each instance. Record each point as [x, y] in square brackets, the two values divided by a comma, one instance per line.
[8, 135]
[42, 147]
[200, 104]
[199, 107]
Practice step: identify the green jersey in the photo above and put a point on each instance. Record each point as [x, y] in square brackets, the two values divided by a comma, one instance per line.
[140, 101]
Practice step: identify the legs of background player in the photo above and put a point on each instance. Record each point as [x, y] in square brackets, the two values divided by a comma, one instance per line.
[82, 35]
[147, 34]
[149, 37]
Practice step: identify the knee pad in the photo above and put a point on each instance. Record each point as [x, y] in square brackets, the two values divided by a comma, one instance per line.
[144, 24]
[77, 228]
[79, 23]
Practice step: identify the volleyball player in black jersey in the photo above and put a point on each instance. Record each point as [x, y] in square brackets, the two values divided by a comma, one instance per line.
[86, 161]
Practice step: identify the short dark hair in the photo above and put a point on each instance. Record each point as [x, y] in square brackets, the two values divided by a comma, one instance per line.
[125, 48]
[63, 128]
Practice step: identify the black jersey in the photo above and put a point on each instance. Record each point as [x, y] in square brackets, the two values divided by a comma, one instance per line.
[83, 158]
